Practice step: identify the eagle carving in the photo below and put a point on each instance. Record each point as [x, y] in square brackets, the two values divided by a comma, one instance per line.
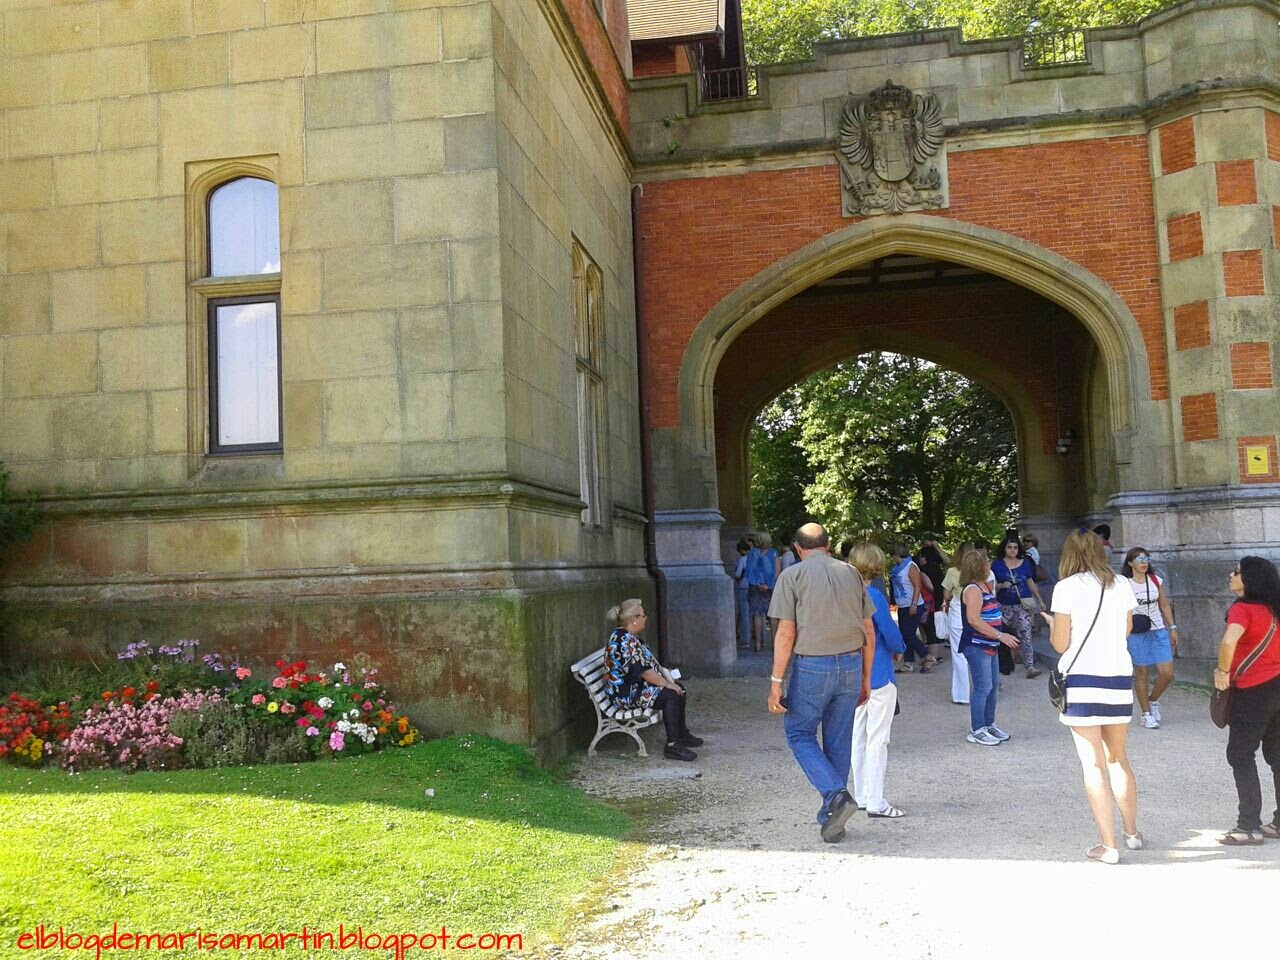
[888, 140]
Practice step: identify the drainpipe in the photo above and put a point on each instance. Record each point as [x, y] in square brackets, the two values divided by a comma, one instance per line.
[646, 436]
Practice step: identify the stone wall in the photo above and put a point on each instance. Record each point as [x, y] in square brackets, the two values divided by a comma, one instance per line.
[434, 161]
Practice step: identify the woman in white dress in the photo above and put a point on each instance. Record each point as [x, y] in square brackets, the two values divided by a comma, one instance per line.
[1092, 617]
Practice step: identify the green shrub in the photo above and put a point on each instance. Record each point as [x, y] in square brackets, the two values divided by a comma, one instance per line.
[218, 735]
[17, 516]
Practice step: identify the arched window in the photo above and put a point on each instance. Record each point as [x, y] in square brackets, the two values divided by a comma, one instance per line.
[242, 281]
[588, 288]
[244, 228]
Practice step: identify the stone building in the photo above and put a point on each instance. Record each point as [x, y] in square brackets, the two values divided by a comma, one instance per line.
[322, 327]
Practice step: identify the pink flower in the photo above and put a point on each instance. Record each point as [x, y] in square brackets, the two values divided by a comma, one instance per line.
[287, 708]
[368, 705]
[336, 741]
[311, 731]
[302, 722]
[279, 683]
[258, 699]
[243, 673]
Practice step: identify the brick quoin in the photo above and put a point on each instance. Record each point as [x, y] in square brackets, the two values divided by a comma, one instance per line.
[1089, 201]
[1177, 146]
[1200, 417]
[1191, 325]
[1273, 135]
[1237, 182]
[1242, 273]
[1186, 239]
[1242, 448]
[1251, 366]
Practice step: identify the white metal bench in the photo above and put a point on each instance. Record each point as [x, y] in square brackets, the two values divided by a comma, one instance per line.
[591, 672]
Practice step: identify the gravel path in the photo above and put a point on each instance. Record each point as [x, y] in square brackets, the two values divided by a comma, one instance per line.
[990, 852]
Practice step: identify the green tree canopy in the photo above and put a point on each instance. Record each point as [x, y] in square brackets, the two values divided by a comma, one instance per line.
[884, 446]
[778, 30]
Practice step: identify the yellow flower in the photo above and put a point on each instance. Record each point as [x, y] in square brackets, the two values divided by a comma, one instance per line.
[272, 707]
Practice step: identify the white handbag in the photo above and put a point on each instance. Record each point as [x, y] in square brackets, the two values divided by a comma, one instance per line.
[941, 625]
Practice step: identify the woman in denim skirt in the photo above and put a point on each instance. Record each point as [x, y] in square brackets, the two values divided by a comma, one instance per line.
[1153, 648]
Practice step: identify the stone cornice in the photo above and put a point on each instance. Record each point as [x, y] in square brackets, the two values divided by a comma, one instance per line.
[390, 495]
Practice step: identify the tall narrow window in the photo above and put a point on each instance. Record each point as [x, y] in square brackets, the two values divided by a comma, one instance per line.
[588, 284]
[244, 330]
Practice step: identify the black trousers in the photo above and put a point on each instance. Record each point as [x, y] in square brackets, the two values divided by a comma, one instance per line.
[909, 624]
[672, 706]
[1255, 720]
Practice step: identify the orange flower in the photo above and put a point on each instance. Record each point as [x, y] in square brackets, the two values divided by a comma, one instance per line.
[128, 692]
[108, 694]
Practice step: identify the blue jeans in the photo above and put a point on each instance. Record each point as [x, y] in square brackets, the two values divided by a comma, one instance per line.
[984, 673]
[744, 617]
[823, 693]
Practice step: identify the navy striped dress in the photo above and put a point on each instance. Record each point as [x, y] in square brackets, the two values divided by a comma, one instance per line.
[1100, 678]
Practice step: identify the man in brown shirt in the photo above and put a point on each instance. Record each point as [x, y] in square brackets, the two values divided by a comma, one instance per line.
[824, 616]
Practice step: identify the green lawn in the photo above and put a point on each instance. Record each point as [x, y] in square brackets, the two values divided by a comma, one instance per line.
[502, 846]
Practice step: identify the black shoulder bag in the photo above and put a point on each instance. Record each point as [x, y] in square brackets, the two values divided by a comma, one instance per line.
[1220, 702]
[1058, 678]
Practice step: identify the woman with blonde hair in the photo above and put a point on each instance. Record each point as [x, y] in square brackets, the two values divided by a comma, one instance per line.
[1092, 618]
[953, 609]
[873, 719]
[636, 681]
[980, 639]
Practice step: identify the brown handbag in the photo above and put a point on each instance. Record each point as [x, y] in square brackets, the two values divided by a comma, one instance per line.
[1220, 702]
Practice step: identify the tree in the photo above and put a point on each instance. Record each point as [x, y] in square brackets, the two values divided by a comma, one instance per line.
[778, 30]
[886, 445]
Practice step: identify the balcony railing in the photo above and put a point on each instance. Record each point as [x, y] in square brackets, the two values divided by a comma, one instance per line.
[730, 83]
[1054, 49]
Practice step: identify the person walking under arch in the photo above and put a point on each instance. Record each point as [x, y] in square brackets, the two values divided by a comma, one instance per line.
[872, 721]
[824, 616]
[980, 638]
[1092, 617]
[740, 593]
[908, 583]
[1249, 666]
[1154, 640]
[1019, 597]
[761, 575]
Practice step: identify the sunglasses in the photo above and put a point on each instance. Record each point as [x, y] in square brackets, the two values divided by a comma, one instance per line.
[1141, 559]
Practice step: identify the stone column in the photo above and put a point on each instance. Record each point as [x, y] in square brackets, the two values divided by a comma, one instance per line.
[701, 618]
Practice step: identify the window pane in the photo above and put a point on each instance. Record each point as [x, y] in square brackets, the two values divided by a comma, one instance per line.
[244, 228]
[248, 378]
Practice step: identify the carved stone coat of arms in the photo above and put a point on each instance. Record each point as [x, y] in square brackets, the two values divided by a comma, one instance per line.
[890, 152]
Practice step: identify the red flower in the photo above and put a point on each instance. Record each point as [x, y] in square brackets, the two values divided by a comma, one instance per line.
[299, 666]
[152, 686]
[108, 694]
[128, 692]
[280, 664]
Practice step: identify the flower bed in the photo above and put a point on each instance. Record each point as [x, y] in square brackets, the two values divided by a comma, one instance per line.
[167, 709]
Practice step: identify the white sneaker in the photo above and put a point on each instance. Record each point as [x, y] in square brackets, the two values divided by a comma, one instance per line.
[998, 733]
[983, 737]
[1150, 722]
[1155, 710]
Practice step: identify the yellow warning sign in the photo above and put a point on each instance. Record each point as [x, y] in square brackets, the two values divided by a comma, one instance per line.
[1257, 461]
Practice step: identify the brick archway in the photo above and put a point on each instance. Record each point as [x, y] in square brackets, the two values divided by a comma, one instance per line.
[1102, 311]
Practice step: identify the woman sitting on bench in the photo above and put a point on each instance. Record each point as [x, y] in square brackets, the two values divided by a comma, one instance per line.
[637, 681]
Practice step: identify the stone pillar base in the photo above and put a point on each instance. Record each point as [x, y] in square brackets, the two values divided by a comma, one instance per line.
[701, 619]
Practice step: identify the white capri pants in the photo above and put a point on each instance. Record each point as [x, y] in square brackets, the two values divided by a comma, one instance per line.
[871, 725]
[959, 665]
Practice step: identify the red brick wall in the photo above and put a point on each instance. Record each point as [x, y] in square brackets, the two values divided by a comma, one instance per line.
[1200, 417]
[1237, 183]
[1251, 366]
[605, 61]
[1273, 136]
[653, 61]
[1089, 201]
[1186, 240]
[1242, 273]
[1177, 146]
[1191, 325]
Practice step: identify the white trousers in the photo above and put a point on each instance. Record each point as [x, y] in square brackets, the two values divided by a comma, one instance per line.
[959, 665]
[871, 725]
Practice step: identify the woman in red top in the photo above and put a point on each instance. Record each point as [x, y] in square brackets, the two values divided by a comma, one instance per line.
[1255, 703]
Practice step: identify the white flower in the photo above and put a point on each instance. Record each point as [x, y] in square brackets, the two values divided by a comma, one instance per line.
[353, 712]
[339, 667]
[344, 726]
[324, 703]
[430, 791]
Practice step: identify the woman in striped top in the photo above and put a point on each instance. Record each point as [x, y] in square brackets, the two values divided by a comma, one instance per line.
[980, 638]
[1092, 618]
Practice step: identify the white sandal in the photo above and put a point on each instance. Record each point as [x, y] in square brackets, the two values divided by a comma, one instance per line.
[1133, 841]
[1109, 855]
[888, 813]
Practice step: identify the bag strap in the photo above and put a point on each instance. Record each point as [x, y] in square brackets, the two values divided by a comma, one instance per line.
[1250, 660]
[1101, 596]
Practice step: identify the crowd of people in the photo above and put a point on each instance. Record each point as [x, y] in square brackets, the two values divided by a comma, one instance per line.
[843, 626]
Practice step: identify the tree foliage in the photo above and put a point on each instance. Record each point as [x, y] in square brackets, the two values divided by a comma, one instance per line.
[17, 516]
[778, 30]
[882, 446]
